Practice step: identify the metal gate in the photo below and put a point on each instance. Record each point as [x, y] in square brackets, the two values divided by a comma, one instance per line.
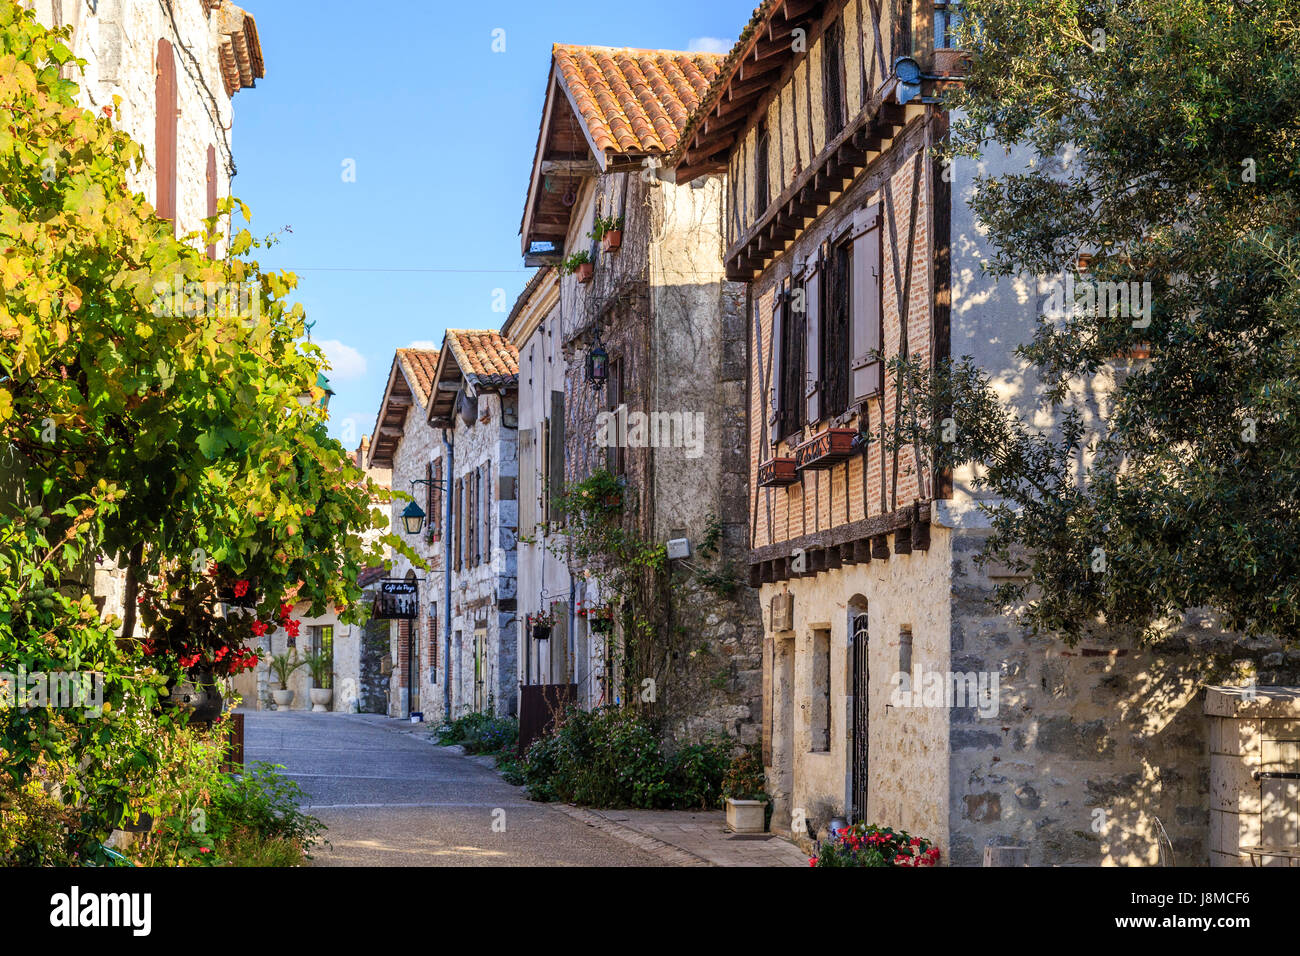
[861, 707]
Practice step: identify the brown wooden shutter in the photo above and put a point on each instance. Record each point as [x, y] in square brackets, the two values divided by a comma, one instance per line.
[435, 514]
[545, 445]
[813, 339]
[556, 450]
[212, 192]
[459, 518]
[487, 512]
[867, 311]
[527, 483]
[776, 407]
[428, 492]
[433, 649]
[165, 131]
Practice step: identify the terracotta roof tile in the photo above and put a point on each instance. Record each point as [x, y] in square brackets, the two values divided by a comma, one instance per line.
[485, 358]
[634, 101]
[418, 365]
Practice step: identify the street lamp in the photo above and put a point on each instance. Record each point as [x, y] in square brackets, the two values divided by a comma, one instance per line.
[413, 518]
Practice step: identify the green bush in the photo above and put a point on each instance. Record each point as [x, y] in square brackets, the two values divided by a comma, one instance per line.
[613, 758]
[745, 779]
[869, 845]
[481, 733]
[263, 802]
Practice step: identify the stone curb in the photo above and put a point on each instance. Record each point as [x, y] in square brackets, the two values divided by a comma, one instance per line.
[665, 851]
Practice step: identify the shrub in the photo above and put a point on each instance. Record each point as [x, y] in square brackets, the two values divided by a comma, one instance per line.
[264, 804]
[613, 758]
[745, 779]
[869, 845]
[480, 733]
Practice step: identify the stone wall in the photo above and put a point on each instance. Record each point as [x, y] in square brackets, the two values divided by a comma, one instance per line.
[484, 595]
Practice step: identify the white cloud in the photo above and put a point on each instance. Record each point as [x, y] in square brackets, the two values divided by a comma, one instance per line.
[346, 363]
[709, 45]
[426, 345]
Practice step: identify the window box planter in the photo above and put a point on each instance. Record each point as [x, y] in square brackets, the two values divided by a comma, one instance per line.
[777, 473]
[612, 240]
[746, 816]
[584, 272]
[826, 449]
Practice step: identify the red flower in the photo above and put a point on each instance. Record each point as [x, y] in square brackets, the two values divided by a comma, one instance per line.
[285, 611]
[241, 588]
[292, 627]
[812, 861]
[108, 111]
[259, 628]
[204, 849]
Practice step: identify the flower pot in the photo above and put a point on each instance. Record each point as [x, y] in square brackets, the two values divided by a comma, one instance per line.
[320, 699]
[541, 631]
[601, 625]
[283, 698]
[612, 240]
[198, 695]
[745, 816]
[585, 271]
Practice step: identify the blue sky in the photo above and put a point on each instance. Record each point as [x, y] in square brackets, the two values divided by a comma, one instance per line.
[441, 130]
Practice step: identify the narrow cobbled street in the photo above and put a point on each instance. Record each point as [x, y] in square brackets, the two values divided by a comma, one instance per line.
[392, 799]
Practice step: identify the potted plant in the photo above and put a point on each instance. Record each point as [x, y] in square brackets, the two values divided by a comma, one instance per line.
[541, 623]
[743, 789]
[321, 667]
[579, 262]
[608, 231]
[283, 665]
[600, 618]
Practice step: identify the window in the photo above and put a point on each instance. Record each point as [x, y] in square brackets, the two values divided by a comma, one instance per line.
[433, 649]
[788, 318]
[820, 704]
[165, 131]
[836, 311]
[905, 654]
[762, 193]
[435, 508]
[833, 78]
[866, 334]
[947, 18]
[212, 193]
[322, 642]
[615, 457]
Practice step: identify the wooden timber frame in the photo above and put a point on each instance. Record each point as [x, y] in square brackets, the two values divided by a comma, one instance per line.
[767, 99]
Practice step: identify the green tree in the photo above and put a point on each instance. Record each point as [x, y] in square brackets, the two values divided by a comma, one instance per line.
[159, 406]
[1162, 137]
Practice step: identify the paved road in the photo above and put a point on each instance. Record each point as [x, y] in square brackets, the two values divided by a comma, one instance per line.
[390, 798]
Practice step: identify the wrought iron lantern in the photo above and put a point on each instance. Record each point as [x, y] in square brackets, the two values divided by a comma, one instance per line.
[413, 518]
[597, 366]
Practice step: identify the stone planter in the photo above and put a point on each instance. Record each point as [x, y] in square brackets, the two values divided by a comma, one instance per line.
[320, 699]
[283, 698]
[745, 816]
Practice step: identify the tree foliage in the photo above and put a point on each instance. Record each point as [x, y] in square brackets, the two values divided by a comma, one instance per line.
[1161, 143]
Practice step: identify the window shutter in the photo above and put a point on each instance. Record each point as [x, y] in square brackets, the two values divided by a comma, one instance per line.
[433, 650]
[487, 512]
[545, 460]
[813, 338]
[459, 512]
[212, 192]
[527, 484]
[428, 492]
[867, 312]
[436, 516]
[165, 131]
[776, 411]
[556, 449]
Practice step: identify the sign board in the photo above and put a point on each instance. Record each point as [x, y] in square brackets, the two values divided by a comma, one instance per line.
[397, 600]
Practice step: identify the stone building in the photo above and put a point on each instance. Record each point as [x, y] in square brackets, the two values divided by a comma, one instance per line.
[474, 403]
[668, 419]
[191, 57]
[412, 449]
[894, 692]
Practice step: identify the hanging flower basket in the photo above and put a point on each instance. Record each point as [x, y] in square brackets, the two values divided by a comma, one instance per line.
[541, 632]
[199, 695]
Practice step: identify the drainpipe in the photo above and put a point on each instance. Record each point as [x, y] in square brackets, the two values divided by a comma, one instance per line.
[449, 456]
[573, 640]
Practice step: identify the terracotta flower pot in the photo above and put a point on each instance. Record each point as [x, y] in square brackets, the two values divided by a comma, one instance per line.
[585, 272]
[612, 240]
